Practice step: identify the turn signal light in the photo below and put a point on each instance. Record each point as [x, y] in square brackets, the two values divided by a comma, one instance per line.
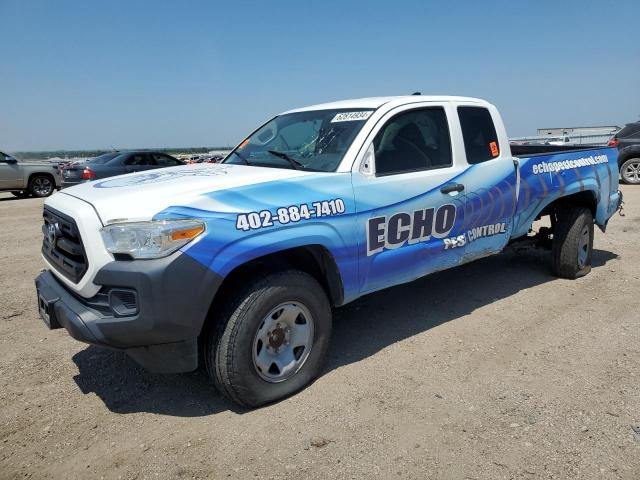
[88, 174]
[187, 233]
[613, 142]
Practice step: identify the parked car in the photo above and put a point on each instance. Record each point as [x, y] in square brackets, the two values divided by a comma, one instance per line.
[116, 163]
[557, 141]
[39, 179]
[627, 141]
[239, 264]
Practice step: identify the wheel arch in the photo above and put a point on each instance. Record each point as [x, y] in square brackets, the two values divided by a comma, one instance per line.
[41, 174]
[585, 198]
[628, 153]
[314, 259]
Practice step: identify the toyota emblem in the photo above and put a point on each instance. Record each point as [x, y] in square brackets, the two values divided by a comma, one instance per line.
[52, 232]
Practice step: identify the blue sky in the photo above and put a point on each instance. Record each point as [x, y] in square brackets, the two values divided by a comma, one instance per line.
[89, 74]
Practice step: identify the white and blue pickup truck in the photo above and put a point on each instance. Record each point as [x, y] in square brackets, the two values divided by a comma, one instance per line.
[237, 265]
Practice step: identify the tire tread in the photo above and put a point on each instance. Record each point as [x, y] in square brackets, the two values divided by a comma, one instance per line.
[219, 355]
[564, 252]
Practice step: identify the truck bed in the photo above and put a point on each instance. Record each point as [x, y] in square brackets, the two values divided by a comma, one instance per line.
[558, 171]
[540, 149]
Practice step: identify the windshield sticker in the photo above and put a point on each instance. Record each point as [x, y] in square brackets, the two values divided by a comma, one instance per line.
[351, 116]
[494, 149]
[290, 214]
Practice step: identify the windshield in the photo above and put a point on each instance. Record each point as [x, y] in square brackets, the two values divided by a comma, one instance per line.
[315, 140]
[104, 158]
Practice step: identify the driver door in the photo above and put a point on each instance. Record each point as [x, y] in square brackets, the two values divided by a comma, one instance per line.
[409, 207]
[10, 175]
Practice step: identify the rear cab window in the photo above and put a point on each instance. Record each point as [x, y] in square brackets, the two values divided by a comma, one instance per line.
[479, 134]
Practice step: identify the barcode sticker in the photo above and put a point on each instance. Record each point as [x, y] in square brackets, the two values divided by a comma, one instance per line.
[351, 116]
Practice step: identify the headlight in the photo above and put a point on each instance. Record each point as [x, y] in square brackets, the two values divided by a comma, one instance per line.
[150, 239]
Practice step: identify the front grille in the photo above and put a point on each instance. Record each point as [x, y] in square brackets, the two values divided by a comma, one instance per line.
[62, 245]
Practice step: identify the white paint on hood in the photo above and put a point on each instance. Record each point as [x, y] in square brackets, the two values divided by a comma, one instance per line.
[139, 196]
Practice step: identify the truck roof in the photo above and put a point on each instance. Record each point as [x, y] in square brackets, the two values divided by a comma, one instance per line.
[377, 102]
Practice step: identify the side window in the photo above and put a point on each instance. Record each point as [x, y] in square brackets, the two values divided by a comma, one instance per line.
[413, 141]
[138, 159]
[631, 130]
[164, 160]
[479, 134]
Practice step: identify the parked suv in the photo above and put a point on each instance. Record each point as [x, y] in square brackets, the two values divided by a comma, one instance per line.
[627, 141]
[24, 179]
[116, 163]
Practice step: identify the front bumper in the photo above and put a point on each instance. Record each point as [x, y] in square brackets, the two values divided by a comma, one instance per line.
[173, 296]
[66, 183]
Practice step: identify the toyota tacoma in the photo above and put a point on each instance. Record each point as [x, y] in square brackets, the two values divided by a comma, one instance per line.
[237, 266]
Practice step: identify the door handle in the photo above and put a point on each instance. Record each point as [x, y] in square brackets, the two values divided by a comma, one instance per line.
[452, 187]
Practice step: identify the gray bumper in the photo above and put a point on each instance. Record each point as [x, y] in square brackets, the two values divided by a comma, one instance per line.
[172, 296]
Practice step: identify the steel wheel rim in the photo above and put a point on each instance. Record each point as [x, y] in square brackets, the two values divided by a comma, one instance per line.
[583, 246]
[42, 186]
[632, 172]
[283, 342]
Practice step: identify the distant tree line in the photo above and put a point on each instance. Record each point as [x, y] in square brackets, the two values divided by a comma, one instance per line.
[94, 153]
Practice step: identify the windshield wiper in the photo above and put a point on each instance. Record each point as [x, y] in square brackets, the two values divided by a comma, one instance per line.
[292, 161]
[242, 157]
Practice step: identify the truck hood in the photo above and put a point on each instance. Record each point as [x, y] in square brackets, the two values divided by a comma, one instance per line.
[139, 196]
[37, 164]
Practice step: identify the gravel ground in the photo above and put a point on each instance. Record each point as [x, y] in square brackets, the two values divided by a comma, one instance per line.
[491, 370]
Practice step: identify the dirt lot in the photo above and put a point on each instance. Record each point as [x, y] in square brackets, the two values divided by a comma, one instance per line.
[492, 370]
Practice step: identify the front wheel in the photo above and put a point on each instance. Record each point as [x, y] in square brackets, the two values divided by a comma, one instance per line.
[630, 171]
[572, 244]
[271, 339]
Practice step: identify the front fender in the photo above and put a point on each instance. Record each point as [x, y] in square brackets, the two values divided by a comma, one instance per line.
[263, 243]
[225, 248]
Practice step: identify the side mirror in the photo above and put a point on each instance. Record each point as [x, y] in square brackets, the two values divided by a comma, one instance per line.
[368, 162]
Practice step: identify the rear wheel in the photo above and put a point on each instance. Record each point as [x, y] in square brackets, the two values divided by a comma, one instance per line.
[572, 244]
[41, 186]
[20, 194]
[630, 171]
[271, 339]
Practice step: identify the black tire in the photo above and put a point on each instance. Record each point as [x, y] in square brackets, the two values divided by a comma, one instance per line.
[572, 244]
[630, 171]
[41, 186]
[229, 346]
[20, 194]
